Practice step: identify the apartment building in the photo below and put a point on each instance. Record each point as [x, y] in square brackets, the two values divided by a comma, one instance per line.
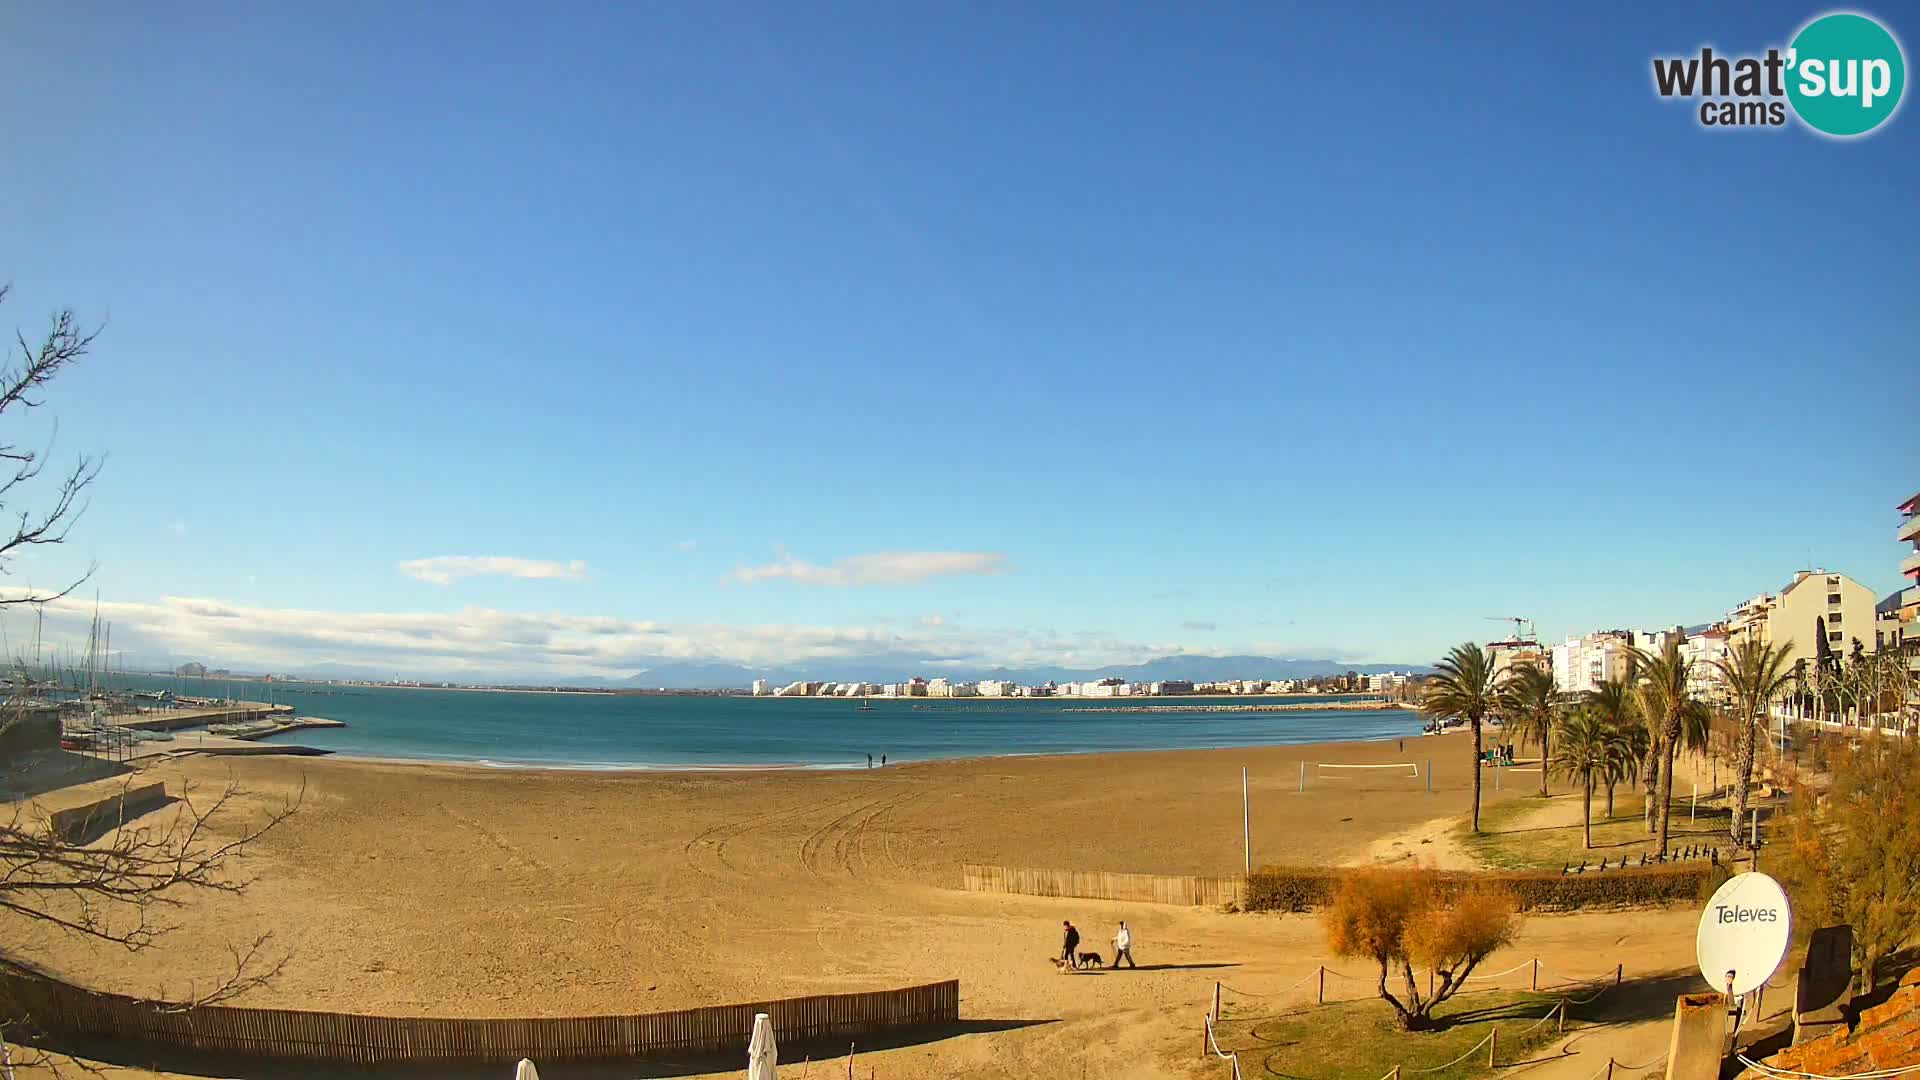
[1909, 610]
[1583, 664]
[1816, 606]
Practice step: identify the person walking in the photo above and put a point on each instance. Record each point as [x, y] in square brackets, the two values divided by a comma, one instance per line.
[1123, 946]
[1070, 944]
[869, 761]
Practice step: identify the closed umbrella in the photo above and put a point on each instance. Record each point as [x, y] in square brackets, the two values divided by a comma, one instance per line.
[526, 1071]
[762, 1054]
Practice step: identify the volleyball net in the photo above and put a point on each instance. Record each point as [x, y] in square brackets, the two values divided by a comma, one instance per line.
[1390, 775]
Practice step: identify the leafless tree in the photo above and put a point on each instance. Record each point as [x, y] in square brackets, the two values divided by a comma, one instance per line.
[114, 886]
[21, 380]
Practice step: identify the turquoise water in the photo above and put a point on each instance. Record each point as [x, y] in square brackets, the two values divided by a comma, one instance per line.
[607, 732]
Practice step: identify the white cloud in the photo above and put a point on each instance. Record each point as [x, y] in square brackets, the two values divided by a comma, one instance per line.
[177, 528]
[687, 545]
[880, 568]
[445, 569]
[484, 642]
[1193, 624]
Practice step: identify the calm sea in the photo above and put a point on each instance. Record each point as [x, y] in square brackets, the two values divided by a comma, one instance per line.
[595, 731]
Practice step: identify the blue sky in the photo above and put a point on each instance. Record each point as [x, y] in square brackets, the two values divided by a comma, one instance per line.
[1057, 335]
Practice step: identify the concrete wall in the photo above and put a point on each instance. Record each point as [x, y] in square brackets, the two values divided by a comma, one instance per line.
[79, 823]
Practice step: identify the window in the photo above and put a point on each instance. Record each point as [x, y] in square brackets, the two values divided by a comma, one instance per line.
[1833, 599]
[1833, 635]
[1833, 619]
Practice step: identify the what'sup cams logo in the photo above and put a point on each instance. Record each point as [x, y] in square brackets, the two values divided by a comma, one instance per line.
[1843, 75]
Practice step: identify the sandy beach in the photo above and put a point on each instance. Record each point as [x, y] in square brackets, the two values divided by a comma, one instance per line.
[462, 891]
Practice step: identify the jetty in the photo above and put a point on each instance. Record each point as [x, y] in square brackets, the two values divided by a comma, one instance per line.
[201, 714]
[264, 727]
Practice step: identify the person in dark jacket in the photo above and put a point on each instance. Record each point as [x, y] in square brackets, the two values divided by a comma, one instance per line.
[1070, 944]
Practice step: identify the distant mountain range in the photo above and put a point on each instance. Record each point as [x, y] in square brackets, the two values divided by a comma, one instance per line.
[713, 675]
[678, 675]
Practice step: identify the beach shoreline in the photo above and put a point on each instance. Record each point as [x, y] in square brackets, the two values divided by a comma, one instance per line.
[614, 770]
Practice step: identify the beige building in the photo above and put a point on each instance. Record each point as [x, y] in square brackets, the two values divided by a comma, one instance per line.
[1909, 611]
[1518, 652]
[1814, 604]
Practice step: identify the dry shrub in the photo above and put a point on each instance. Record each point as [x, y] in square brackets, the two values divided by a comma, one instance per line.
[1400, 918]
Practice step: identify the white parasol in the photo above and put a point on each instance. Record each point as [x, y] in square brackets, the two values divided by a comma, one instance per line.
[762, 1054]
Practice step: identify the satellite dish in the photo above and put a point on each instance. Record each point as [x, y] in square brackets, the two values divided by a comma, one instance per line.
[1744, 933]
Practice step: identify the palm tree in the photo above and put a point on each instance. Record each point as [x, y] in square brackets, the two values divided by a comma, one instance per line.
[1613, 703]
[1527, 706]
[1631, 751]
[1756, 674]
[1665, 700]
[1587, 750]
[1463, 687]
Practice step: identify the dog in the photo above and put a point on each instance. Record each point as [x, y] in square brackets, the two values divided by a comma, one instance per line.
[1084, 960]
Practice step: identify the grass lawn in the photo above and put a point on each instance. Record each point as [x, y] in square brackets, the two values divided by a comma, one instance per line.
[1362, 1040]
[1512, 837]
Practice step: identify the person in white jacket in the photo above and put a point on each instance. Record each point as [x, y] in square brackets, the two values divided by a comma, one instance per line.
[1123, 946]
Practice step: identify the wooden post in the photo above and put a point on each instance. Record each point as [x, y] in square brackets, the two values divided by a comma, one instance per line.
[1246, 826]
[1493, 1046]
[1536, 973]
[1609, 1069]
[1303, 778]
[849, 1061]
[1216, 1002]
[1320, 995]
[1618, 971]
[1204, 1032]
[1429, 776]
[1562, 1026]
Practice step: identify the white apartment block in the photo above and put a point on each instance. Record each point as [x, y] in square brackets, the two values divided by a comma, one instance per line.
[760, 688]
[996, 688]
[1583, 664]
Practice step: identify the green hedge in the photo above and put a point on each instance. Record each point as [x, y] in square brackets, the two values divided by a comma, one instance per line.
[1287, 888]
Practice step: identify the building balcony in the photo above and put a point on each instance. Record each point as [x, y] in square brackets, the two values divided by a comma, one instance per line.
[1910, 529]
[1910, 565]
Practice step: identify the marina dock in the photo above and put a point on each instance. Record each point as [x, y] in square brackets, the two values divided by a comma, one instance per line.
[271, 725]
[238, 712]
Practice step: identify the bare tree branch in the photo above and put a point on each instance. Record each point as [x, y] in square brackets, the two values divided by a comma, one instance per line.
[65, 342]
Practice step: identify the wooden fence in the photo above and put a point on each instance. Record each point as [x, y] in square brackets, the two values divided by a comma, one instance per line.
[57, 1007]
[1100, 885]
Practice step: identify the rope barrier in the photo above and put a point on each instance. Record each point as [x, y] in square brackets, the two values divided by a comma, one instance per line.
[1232, 1059]
[1560, 1008]
[1789, 1074]
[1470, 1052]
[1302, 982]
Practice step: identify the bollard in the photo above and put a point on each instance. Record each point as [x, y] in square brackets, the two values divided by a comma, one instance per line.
[1303, 778]
[1216, 1002]
[1320, 995]
[1429, 776]
[1618, 971]
[1536, 974]
[1609, 1069]
[1562, 1025]
[1203, 1040]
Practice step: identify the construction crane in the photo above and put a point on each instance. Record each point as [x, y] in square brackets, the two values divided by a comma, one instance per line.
[1522, 627]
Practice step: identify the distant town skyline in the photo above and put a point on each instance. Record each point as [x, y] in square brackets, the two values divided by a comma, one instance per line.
[848, 336]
